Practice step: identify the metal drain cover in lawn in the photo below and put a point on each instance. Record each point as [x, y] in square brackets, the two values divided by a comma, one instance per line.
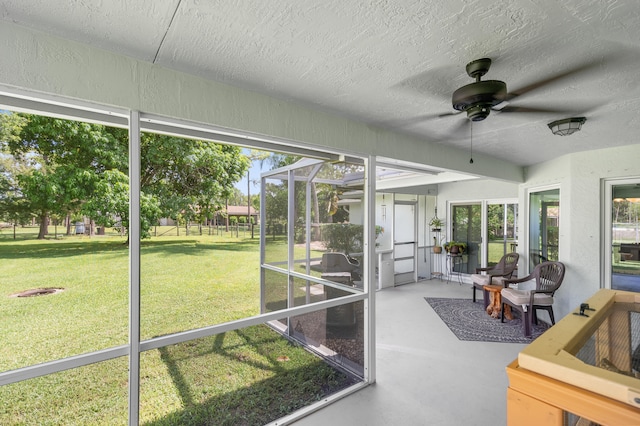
[37, 292]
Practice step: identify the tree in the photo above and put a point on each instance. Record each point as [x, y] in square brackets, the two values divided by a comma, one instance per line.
[110, 204]
[255, 201]
[63, 160]
[261, 157]
[324, 196]
[191, 179]
[237, 198]
[72, 167]
[276, 206]
[14, 206]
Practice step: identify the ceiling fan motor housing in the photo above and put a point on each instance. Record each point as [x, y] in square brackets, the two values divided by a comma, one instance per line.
[477, 99]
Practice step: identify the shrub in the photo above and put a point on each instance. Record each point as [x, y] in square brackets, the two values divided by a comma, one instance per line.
[344, 237]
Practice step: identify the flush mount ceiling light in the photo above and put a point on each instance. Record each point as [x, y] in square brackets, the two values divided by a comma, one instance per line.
[566, 126]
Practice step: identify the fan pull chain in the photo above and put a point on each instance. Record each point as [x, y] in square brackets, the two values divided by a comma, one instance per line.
[471, 149]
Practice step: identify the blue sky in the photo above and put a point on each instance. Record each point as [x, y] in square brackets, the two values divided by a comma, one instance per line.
[254, 174]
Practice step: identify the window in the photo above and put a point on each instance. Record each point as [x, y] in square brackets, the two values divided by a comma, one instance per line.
[466, 227]
[502, 232]
[622, 235]
[64, 264]
[544, 226]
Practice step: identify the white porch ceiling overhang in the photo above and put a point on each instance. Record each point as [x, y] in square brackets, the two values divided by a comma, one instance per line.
[390, 64]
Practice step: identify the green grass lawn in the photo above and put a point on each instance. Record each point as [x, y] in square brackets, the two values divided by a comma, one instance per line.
[496, 251]
[248, 376]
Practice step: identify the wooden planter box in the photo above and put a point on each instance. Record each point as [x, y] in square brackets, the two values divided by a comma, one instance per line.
[581, 370]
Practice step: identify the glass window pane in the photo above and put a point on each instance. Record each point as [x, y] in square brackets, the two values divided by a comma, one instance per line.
[544, 226]
[276, 290]
[405, 223]
[625, 237]
[302, 190]
[404, 250]
[512, 228]
[248, 376]
[92, 395]
[466, 227]
[275, 228]
[501, 229]
[190, 278]
[64, 256]
[336, 333]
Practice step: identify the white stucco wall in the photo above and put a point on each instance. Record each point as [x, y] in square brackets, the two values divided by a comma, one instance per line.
[579, 177]
[480, 189]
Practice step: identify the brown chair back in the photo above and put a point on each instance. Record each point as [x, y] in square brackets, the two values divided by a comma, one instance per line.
[549, 276]
[505, 266]
[510, 263]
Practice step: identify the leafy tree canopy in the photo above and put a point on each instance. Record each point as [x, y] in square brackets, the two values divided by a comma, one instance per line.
[190, 178]
[59, 167]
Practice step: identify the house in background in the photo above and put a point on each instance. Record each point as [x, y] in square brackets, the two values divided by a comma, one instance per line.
[238, 212]
[231, 211]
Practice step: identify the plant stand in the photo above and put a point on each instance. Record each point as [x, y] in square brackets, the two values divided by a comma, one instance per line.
[436, 266]
[436, 261]
[454, 260]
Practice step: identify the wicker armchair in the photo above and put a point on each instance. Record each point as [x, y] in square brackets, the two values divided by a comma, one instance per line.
[548, 277]
[505, 268]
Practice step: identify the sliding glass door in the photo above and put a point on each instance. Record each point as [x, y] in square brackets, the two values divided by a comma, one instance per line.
[466, 226]
[489, 229]
[501, 234]
[544, 226]
[622, 234]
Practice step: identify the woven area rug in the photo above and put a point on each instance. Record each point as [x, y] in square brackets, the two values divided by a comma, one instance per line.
[469, 321]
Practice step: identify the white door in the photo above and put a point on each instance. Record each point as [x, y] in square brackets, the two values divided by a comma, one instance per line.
[405, 246]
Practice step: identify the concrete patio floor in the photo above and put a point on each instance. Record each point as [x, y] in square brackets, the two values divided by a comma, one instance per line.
[425, 375]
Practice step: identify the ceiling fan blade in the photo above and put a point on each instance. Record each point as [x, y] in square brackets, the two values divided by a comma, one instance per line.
[462, 129]
[434, 82]
[586, 66]
[447, 114]
[541, 110]
[407, 122]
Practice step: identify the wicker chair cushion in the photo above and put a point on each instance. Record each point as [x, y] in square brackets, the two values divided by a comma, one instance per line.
[522, 297]
[480, 279]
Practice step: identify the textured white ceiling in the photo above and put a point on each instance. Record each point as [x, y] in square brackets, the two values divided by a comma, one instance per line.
[389, 63]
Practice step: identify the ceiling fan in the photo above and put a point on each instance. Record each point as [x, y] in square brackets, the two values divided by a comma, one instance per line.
[481, 97]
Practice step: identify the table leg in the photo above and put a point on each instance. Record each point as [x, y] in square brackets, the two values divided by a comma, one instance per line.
[507, 312]
[495, 302]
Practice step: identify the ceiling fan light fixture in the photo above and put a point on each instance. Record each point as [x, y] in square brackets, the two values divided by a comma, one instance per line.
[478, 112]
[566, 126]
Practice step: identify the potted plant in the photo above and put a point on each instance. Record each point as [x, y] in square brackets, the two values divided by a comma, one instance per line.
[437, 248]
[436, 224]
[455, 247]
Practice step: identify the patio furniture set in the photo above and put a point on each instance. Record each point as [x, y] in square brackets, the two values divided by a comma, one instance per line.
[502, 292]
